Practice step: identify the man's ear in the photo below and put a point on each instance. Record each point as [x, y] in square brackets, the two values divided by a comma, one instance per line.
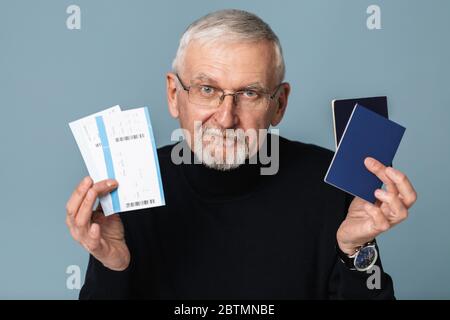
[281, 103]
[171, 87]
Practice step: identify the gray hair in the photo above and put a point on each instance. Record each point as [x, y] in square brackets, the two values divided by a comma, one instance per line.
[230, 25]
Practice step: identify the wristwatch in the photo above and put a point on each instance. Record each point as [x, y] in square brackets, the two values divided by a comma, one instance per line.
[363, 259]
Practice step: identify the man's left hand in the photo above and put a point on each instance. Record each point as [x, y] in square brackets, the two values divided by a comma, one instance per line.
[365, 221]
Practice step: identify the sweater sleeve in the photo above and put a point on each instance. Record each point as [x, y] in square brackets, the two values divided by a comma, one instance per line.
[373, 284]
[102, 283]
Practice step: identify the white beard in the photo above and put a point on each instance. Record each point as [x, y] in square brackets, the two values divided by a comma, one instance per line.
[221, 149]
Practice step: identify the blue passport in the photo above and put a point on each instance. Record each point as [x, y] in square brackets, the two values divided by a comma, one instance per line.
[367, 134]
[342, 110]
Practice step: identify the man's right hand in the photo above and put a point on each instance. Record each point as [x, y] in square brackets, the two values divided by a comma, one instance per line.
[101, 236]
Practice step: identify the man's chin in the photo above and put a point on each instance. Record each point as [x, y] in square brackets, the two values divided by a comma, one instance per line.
[217, 159]
[222, 166]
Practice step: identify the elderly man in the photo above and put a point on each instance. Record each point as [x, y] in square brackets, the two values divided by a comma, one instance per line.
[227, 231]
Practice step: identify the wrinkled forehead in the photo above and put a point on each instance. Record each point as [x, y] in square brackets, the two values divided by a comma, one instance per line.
[230, 64]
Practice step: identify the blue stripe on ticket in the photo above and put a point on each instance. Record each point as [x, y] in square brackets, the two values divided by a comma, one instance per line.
[150, 131]
[108, 160]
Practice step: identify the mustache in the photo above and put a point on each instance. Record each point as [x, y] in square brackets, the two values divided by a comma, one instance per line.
[223, 133]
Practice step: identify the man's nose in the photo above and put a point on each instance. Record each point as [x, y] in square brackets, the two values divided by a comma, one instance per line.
[226, 113]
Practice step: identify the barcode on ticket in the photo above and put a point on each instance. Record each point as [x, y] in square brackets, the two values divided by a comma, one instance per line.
[132, 137]
[139, 203]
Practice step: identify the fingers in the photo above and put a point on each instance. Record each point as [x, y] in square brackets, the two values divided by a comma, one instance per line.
[395, 181]
[404, 186]
[74, 203]
[380, 222]
[379, 169]
[84, 214]
[397, 211]
[79, 209]
[76, 198]
[92, 241]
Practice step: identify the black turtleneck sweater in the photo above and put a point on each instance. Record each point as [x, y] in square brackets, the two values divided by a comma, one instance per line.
[238, 235]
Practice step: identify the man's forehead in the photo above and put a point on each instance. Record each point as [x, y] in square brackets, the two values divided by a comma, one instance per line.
[237, 62]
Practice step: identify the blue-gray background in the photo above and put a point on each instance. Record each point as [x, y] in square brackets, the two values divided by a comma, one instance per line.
[50, 75]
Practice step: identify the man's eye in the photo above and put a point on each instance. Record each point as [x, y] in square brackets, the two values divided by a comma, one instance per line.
[250, 94]
[207, 90]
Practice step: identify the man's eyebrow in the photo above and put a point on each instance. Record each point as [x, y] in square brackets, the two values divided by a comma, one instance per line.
[204, 77]
[255, 86]
[252, 86]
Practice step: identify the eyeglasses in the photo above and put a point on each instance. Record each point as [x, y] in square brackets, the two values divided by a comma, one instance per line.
[211, 97]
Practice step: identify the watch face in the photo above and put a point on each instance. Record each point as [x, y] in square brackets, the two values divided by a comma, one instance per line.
[366, 258]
